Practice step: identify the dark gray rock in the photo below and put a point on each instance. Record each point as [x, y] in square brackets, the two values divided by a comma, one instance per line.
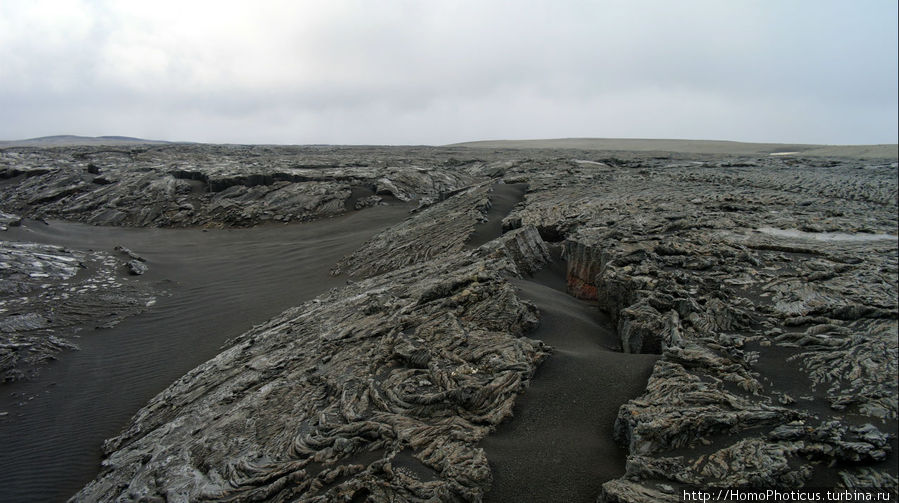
[8, 220]
[130, 254]
[136, 267]
[44, 302]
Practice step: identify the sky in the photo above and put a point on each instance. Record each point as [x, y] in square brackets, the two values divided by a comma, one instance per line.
[438, 72]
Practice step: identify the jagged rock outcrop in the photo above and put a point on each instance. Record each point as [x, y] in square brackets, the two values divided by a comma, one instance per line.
[744, 312]
[191, 185]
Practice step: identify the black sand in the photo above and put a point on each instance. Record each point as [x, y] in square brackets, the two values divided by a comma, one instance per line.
[503, 198]
[558, 446]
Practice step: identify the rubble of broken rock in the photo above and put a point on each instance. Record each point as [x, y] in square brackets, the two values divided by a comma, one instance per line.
[767, 285]
[49, 293]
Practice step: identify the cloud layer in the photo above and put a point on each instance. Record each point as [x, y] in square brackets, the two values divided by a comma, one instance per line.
[410, 72]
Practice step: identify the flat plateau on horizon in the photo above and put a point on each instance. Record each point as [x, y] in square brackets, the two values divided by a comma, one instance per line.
[880, 151]
[873, 151]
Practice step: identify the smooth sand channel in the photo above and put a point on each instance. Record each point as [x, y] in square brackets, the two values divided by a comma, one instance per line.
[558, 446]
[503, 198]
[222, 282]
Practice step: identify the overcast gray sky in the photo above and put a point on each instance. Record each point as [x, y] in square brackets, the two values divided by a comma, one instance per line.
[435, 72]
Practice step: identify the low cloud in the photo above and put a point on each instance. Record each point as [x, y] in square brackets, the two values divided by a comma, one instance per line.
[439, 72]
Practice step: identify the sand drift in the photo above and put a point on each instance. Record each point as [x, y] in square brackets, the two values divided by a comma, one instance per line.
[454, 324]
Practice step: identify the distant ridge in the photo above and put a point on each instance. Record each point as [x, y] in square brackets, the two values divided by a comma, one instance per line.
[72, 140]
[883, 151]
[888, 151]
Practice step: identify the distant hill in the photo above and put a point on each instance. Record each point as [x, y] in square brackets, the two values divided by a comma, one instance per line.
[885, 151]
[70, 140]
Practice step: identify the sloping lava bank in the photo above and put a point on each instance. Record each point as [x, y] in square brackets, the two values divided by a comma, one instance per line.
[380, 389]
